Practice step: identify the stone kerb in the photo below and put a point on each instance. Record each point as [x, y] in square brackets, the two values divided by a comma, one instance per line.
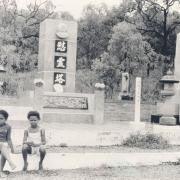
[99, 106]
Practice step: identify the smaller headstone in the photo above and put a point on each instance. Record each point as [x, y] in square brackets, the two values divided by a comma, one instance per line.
[124, 94]
[125, 83]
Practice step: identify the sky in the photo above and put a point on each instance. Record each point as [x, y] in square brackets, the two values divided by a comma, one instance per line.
[75, 7]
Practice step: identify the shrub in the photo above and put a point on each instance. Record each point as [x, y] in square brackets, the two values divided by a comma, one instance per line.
[63, 145]
[149, 141]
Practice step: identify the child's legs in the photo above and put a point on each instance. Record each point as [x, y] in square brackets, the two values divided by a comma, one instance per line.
[2, 164]
[5, 154]
[25, 151]
[42, 151]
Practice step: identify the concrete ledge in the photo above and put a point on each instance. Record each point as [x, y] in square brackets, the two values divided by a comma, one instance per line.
[93, 160]
[67, 118]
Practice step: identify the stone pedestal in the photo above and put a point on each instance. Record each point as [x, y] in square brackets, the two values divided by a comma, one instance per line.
[99, 106]
[167, 120]
[38, 98]
[167, 109]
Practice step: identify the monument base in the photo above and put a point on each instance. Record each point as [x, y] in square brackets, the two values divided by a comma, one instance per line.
[155, 118]
[167, 120]
[127, 97]
[68, 118]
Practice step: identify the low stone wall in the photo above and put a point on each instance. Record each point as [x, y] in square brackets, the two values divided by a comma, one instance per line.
[124, 111]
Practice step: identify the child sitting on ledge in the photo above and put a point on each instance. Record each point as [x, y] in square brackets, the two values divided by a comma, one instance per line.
[34, 140]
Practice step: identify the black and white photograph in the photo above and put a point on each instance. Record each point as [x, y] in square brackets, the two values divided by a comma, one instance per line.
[90, 89]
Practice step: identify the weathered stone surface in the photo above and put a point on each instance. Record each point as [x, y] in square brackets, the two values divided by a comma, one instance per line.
[47, 53]
[168, 109]
[68, 118]
[66, 102]
[177, 57]
[99, 107]
[167, 120]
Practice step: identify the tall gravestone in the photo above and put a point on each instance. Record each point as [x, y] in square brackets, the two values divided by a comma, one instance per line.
[57, 54]
[177, 58]
[169, 109]
[125, 83]
[137, 114]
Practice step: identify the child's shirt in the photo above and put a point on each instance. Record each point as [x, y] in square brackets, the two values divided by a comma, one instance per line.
[4, 132]
[37, 136]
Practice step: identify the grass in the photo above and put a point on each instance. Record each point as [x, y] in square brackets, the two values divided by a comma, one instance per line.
[146, 141]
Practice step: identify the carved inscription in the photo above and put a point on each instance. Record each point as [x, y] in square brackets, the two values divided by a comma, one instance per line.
[64, 102]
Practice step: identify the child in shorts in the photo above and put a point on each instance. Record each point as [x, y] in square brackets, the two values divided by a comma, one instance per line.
[5, 142]
[34, 140]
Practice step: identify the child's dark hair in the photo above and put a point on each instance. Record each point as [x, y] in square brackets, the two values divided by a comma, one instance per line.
[4, 113]
[33, 113]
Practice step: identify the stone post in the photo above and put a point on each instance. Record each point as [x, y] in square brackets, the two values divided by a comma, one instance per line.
[177, 58]
[38, 95]
[99, 106]
[137, 100]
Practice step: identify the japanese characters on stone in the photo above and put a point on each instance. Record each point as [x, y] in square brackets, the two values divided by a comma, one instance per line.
[59, 78]
[61, 46]
[60, 62]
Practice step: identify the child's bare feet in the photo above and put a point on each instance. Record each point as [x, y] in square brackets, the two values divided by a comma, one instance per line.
[25, 166]
[40, 166]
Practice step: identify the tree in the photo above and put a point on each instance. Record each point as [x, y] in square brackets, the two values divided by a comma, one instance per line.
[156, 19]
[19, 33]
[108, 71]
[20, 28]
[92, 36]
[127, 52]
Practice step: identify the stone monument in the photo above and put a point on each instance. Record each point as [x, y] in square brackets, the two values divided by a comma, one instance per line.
[124, 94]
[167, 93]
[168, 111]
[57, 54]
[55, 98]
[137, 117]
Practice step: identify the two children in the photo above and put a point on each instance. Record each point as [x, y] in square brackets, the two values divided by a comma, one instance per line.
[33, 142]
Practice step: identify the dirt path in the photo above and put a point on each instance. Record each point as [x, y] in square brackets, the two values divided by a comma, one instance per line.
[162, 172]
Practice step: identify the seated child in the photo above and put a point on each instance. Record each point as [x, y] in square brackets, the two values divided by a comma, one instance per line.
[5, 142]
[34, 140]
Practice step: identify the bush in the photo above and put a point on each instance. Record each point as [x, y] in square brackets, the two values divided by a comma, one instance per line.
[149, 141]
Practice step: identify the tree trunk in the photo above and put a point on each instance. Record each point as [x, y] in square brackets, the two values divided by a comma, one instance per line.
[165, 35]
